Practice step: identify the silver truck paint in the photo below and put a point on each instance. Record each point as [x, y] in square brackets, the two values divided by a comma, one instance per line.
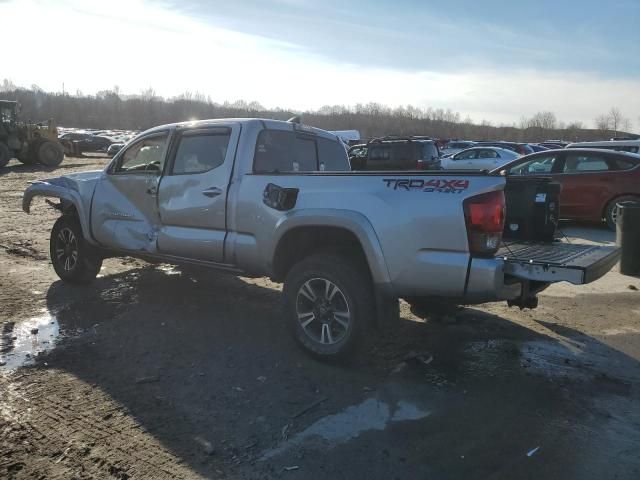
[410, 224]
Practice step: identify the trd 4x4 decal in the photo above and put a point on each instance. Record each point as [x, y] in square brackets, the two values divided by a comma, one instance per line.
[440, 185]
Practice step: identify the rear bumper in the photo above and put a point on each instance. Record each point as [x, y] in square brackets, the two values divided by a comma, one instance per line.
[486, 282]
[528, 268]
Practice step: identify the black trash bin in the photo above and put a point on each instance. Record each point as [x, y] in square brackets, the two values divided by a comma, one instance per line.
[628, 237]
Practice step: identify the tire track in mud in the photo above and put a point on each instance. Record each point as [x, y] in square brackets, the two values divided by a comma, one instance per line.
[76, 432]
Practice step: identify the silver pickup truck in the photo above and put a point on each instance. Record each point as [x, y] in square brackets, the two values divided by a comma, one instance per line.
[270, 198]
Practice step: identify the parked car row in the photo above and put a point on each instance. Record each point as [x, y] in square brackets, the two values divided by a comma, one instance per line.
[593, 180]
[594, 176]
[80, 141]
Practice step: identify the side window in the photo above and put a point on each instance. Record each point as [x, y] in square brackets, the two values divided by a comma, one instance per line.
[199, 152]
[541, 164]
[585, 163]
[406, 152]
[332, 155]
[379, 153]
[146, 155]
[284, 151]
[488, 154]
[630, 149]
[623, 164]
[466, 155]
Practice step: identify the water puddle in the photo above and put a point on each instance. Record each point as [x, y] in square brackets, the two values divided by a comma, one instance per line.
[169, 269]
[370, 415]
[553, 359]
[22, 342]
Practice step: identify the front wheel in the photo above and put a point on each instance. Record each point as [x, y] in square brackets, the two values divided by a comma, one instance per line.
[72, 258]
[50, 153]
[329, 303]
[611, 212]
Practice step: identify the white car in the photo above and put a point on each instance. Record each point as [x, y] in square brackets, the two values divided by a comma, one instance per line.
[479, 158]
[631, 146]
[456, 146]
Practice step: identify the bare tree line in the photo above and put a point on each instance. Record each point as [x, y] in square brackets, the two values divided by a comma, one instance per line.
[614, 120]
[110, 109]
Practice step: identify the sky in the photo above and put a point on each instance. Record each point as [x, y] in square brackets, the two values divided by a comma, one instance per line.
[489, 60]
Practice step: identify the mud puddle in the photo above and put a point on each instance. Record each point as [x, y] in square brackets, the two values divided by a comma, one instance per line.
[370, 415]
[21, 342]
[567, 360]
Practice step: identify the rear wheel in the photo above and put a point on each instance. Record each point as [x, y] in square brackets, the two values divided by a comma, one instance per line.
[329, 304]
[611, 212]
[5, 155]
[73, 259]
[50, 153]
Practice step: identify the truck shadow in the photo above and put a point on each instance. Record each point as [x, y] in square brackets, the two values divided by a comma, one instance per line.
[204, 363]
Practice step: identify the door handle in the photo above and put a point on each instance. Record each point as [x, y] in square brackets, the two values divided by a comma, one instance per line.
[152, 190]
[212, 192]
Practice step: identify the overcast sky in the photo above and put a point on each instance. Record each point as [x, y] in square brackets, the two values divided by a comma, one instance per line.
[490, 59]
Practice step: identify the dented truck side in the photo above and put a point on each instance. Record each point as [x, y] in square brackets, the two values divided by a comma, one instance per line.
[245, 196]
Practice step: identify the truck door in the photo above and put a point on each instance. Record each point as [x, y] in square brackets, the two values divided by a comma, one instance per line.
[124, 212]
[192, 196]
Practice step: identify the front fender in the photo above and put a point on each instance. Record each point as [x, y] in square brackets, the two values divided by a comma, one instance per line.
[57, 188]
[350, 220]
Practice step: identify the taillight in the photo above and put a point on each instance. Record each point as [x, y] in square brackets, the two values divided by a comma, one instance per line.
[484, 216]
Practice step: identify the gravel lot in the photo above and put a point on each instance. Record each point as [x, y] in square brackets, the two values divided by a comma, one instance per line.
[159, 372]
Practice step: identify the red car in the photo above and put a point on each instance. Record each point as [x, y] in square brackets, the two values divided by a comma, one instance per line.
[592, 180]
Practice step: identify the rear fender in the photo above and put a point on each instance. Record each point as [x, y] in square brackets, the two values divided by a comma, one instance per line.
[349, 220]
[57, 188]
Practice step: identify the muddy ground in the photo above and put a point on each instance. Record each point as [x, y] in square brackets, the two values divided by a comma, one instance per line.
[157, 372]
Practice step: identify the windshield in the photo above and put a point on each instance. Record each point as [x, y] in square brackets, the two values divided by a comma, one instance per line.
[6, 115]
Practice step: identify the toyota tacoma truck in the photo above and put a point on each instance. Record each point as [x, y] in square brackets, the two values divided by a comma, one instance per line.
[270, 198]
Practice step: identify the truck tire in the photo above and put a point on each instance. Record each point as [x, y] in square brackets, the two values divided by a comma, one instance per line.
[5, 155]
[73, 259]
[329, 304]
[50, 153]
[27, 159]
[610, 213]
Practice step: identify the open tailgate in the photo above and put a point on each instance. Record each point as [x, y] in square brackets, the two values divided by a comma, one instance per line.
[557, 261]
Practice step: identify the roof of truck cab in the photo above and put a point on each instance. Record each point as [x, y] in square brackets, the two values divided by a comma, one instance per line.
[265, 122]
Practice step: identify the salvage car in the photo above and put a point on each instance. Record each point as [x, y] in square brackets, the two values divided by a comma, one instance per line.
[479, 158]
[455, 146]
[269, 198]
[396, 153]
[631, 146]
[593, 180]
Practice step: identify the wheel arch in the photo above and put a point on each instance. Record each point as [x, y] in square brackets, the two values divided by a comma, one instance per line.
[613, 199]
[302, 233]
[70, 202]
